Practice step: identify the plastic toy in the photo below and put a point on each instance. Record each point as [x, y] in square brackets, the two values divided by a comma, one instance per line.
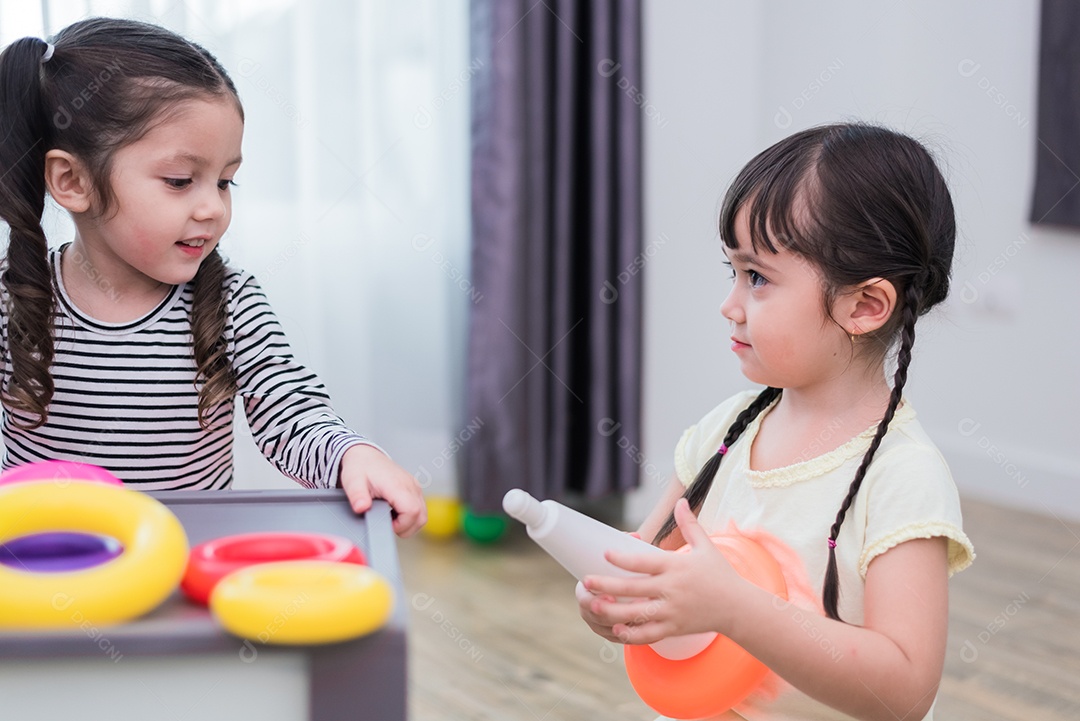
[443, 517]
[711, 682]
[153, 560]
[211, 561]
[684, 677]
[302, 602]
[579, 542]
[52, 552]
[58, 471]
[483, 527]
[57, 551]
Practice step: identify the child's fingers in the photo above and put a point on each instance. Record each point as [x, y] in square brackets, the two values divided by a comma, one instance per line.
[692, 531]
[409, 508]
[359, 495]
[637, 635]
[650, 563]
[631, 611]
[637, 587]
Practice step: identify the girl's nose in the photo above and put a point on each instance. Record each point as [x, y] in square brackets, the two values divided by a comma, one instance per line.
[731, 308]
[211, 206]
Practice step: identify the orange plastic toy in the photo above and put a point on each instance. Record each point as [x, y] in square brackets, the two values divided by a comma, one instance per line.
[723, 674]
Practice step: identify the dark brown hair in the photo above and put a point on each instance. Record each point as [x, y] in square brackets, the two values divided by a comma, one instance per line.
[106, 84]
[859, 202]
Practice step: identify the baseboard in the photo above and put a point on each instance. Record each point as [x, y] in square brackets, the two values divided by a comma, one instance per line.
[1013, 477]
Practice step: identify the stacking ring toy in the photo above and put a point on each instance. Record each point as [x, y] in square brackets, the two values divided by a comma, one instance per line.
[51, 552]
[302, 602]
[722, 675]
[58, 471]
[211, 561]
[155, 551]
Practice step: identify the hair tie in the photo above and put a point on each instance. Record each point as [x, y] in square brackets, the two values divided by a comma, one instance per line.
[722, 449]
[47, 56]
[832, 543]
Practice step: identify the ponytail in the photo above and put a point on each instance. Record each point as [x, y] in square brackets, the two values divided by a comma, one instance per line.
[26, 135]
[696, 491]
[208, 320]
[830, 594]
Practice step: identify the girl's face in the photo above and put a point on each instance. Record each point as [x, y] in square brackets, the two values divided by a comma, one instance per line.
[172, 195]
[780, 330]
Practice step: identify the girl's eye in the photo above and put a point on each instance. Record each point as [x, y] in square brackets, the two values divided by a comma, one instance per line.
[756, 279]
[178, 183]
[225, 184]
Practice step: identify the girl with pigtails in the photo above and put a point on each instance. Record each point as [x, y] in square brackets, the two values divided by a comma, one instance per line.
[839, 238]
[126, 345]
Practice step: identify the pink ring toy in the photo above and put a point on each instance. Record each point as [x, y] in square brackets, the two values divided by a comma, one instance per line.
[61, 471]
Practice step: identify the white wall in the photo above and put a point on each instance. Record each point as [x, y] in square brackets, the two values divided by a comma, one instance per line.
[995, 380]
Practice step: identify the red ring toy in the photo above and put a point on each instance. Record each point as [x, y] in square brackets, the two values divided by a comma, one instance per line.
[211, 561]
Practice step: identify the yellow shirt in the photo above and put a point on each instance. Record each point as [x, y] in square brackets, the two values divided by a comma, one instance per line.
[908, 493]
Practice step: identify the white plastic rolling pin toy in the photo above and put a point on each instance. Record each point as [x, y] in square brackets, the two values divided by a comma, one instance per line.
[579, 542]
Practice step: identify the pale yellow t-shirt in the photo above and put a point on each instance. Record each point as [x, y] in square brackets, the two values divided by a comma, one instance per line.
[908, 493]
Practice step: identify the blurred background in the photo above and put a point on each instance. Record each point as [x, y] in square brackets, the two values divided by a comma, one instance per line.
[353, 209]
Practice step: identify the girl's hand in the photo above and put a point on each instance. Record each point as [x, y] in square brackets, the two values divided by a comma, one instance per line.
[585, 600]
[681, 593]
[367, 473]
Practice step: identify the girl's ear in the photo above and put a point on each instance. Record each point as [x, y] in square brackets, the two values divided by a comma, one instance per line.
[868, 307]
[68, 181]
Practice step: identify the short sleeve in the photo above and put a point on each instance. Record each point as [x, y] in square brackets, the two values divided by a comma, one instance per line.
[910, 494]
[700, 441]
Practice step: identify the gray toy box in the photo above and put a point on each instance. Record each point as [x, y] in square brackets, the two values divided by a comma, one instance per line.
[178, 663]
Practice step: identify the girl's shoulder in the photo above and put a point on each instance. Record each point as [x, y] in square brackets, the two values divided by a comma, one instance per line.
[241, 287]
[236, 278]
[700, 441]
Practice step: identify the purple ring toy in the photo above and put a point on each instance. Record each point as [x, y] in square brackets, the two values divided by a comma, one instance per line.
[58, 552]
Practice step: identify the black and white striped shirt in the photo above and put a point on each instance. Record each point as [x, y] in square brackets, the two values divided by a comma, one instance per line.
[126, 397]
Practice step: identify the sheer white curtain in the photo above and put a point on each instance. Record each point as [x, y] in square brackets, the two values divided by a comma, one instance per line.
[352, 205]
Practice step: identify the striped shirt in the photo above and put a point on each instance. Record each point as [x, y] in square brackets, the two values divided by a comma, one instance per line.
[126, 397]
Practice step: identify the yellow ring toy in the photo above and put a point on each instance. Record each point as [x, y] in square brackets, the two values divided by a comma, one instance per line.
[302, 602]
[149, 569]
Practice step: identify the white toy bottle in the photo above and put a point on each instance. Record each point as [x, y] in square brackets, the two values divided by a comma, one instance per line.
[579, 542]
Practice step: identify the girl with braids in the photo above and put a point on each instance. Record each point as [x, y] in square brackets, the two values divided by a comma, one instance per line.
[126, 346]
[839, 238]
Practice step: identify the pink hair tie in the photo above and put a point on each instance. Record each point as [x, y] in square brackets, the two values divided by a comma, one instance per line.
[832, 543]
[722, 449]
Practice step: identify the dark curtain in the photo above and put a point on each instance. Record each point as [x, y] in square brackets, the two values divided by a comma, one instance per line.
[554, 356]
[1057, 159]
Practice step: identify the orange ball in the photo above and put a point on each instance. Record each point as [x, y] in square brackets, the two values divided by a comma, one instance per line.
[722, 675]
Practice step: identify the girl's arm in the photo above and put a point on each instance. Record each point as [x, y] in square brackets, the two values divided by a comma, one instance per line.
[889, 668]
[295, 426]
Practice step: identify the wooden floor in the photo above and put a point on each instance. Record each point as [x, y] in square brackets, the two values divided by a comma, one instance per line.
[494, 631]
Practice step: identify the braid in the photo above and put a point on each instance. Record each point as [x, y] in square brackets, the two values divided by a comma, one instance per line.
[696, 491]
[830, 593]
[26, 277]
[208, 318]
